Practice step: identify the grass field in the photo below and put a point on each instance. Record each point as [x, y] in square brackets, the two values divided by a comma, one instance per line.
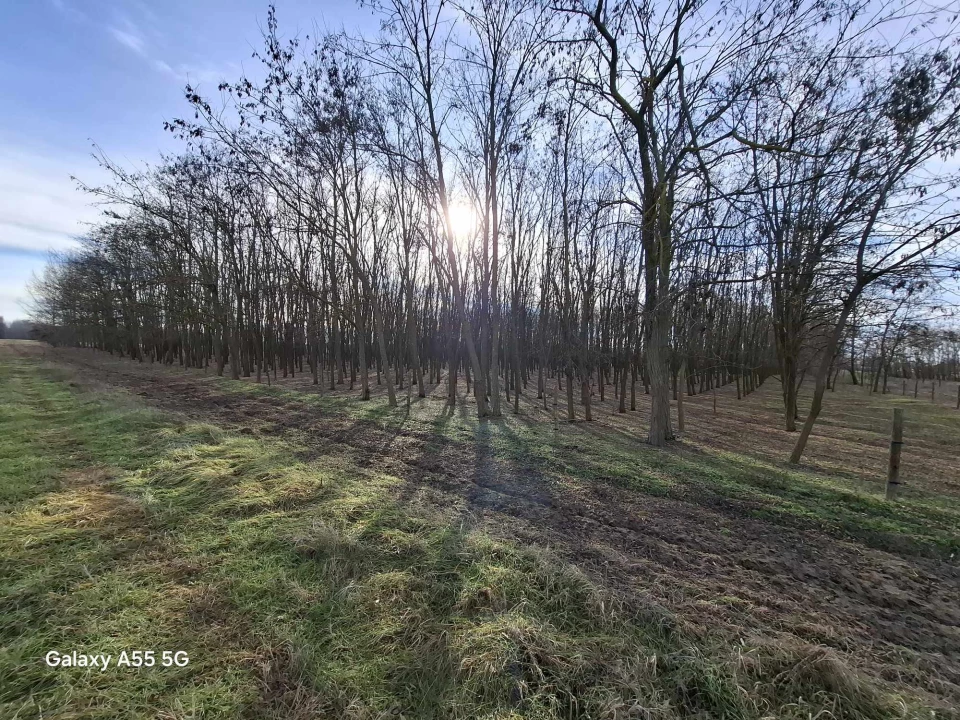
[320, 557]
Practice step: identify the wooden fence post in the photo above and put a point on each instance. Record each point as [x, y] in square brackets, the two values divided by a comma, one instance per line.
[896, 443]
[958, 397]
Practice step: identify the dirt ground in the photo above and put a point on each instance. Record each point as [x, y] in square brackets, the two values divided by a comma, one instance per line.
[717, 568]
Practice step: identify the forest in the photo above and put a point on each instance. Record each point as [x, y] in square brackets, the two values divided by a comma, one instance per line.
[596, 196]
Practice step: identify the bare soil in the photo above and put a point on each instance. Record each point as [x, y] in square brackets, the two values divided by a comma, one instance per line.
[717, 567]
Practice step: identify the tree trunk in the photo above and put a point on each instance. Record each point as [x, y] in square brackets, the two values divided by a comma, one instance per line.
[659, 373]
[820, 385]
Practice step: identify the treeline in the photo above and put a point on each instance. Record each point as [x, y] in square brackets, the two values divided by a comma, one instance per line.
[663, 196]
[16, 330]
[901, 346]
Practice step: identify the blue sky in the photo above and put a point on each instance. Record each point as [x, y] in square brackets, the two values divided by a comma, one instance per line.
[73, 72]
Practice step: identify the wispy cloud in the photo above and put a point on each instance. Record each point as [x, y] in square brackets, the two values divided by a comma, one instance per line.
[198, 74]
[147, 14]
[17, 251]
[40, 210]
[40, 206]
[165, 68]
[133, 37]
[209, 73]
[68, 10]
[129, 36]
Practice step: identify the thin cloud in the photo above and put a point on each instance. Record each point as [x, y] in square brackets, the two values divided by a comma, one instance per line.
[197, 74]
[207, 74]
[129, 37]
[41, 210]
[165, 68]
[68, 10]
[17, 251]
[40, 206]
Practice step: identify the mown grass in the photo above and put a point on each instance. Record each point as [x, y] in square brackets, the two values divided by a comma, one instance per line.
[306, 590]
[920, 522]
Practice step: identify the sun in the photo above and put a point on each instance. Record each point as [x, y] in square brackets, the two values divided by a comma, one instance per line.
[463, 220]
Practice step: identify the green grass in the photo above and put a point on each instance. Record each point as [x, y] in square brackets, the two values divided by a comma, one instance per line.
[919, 523]
[303, 589]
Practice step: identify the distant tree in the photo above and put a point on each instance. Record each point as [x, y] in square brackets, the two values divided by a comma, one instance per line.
[907, 222]
[3, 328]
[18, 330]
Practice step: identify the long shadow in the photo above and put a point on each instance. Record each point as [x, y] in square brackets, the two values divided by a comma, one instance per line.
[426, 579]
[503, 459]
